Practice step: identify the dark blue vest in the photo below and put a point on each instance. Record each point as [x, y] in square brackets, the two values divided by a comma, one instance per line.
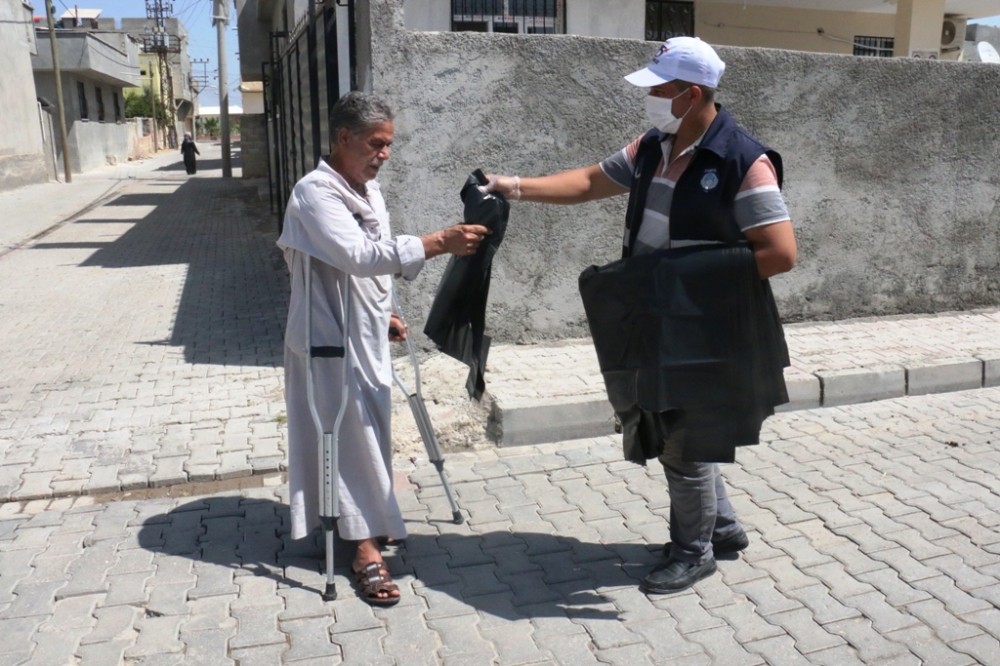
[702, 205]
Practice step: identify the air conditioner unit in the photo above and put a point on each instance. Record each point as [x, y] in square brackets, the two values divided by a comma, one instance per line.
[952, 34]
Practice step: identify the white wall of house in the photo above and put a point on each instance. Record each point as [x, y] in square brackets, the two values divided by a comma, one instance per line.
[918, 26]
[22, 156]
[800, 30]
[914, 24]
[626, 19]
[427, 15]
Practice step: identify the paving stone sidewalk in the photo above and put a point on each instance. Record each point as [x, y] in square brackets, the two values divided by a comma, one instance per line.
[142, 343]
[549, 392]
[143, 516]
[873, 534]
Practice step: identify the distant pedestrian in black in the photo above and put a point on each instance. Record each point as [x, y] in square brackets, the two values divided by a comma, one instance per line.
[189, 150]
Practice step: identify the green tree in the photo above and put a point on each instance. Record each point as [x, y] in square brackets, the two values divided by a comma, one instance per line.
[209, 126]
[140, 105]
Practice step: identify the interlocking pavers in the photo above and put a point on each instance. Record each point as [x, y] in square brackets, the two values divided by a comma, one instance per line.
[856, 513]
[104, 652]
[870, 645]
[842, 655]
[57, 641]
[157, 636]
[955, 599]
[264, 655]
[459, 637]
[258, 624]
[207, 646]
[885, 613]
[778, 650]
[309, 639]
[370, 647]
[928, 647]
[809, 637]
[566, 650]
[721, 645]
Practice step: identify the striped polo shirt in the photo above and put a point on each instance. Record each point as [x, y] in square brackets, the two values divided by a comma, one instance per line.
[758, 201]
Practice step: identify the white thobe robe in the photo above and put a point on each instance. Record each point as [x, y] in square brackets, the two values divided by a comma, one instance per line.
[347, 236]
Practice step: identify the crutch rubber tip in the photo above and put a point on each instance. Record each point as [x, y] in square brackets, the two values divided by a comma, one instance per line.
[330, 593]
[457, 517]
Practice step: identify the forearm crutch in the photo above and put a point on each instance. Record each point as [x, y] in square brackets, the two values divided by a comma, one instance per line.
[329, 441]
[423, 419]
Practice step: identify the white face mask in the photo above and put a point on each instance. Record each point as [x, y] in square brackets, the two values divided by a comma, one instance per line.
[659, 114]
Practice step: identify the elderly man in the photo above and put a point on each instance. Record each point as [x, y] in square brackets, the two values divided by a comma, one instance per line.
[697, 178]
[336, 216]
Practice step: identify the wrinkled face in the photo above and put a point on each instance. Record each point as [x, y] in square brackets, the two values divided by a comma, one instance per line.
[360, 156]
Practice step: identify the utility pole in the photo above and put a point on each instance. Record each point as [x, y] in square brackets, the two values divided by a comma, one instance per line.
[152, 101]
[160, 43]
[60, 106]
[220, 18]
[202, 82]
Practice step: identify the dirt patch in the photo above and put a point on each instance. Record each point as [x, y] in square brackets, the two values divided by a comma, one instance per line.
[459, 421]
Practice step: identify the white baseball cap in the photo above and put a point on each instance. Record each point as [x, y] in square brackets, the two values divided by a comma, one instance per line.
[681, 58]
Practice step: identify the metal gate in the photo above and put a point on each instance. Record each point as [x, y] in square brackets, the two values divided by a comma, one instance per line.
[301, 83]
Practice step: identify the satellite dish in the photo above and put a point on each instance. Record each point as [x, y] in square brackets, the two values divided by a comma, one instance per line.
[987, 53]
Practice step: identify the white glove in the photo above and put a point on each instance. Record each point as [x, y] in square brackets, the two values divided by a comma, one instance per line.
[509, 186]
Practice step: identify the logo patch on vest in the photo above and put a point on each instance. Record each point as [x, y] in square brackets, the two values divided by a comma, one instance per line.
[709, 180]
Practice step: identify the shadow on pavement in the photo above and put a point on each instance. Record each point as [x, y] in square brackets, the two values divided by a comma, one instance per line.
[209, 164]
[140, 199]
[204, 165]
[511, 575]
[233, 304]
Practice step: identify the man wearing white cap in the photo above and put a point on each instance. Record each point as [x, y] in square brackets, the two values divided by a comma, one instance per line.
[696, 178]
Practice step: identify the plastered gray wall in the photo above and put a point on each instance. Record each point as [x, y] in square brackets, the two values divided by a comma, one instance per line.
[93, 143]
[22, 157]
[890, 166]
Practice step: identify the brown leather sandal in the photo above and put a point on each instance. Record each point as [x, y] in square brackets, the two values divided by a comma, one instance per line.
[373, 579]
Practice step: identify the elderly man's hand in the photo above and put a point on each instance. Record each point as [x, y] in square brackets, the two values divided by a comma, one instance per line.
[464, 239]
[397, 329]
[461, 240]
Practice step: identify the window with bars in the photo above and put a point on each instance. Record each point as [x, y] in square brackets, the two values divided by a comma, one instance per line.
[512, 16]
[668, 18]
[880, 47]
[81, 94]
[99, 94]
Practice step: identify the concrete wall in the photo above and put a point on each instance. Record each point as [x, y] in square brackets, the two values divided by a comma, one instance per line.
[22, 156]
[140, 137]
[253, 145]
[93, 143]
[891, 166]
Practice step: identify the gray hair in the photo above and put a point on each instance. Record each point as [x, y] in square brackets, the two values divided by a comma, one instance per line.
[357, 112]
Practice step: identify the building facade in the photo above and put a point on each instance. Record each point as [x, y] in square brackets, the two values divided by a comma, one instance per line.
[166, 52]
[23, 158]
[916, 28]
[95, 67]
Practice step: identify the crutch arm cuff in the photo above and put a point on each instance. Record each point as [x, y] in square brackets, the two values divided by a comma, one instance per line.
[326, 352]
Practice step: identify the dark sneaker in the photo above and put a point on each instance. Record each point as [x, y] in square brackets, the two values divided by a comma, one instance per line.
[728, 546]
[675, 576]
